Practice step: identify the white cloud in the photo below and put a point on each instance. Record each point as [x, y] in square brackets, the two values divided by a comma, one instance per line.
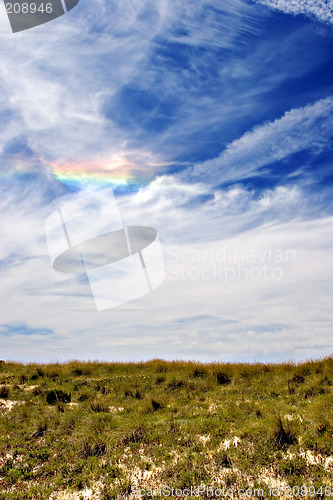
[193, 314]
[320, 9]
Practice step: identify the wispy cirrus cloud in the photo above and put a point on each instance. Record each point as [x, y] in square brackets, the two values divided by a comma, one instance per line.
[167, 79]
[309, 127]
[70, 107]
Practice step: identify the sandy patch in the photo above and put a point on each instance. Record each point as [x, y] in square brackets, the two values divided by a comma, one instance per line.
[93, 493]
[204, 439]
[228, 442]
[30, 388]
[267, 477]
[114, 409]
[9, 404]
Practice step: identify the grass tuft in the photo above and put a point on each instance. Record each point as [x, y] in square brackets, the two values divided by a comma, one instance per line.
[4, 392]
[156, 405]
[57, 396]
[222, 378]
[283, 436]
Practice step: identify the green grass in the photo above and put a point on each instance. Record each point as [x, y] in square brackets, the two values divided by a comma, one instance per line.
[113, 426]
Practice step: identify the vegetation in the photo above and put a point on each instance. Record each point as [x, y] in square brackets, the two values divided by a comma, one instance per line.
[102, 430]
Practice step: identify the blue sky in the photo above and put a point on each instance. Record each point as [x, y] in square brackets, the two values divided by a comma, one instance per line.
[219, 116]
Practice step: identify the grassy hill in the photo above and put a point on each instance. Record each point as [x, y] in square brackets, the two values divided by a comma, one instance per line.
[127, 430]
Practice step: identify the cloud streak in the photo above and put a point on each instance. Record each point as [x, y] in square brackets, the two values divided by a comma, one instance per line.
[309, 127]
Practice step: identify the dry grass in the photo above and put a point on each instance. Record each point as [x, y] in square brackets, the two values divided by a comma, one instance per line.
[99, 430]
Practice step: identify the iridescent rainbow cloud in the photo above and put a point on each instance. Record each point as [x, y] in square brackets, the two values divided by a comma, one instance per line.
[116, 170]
